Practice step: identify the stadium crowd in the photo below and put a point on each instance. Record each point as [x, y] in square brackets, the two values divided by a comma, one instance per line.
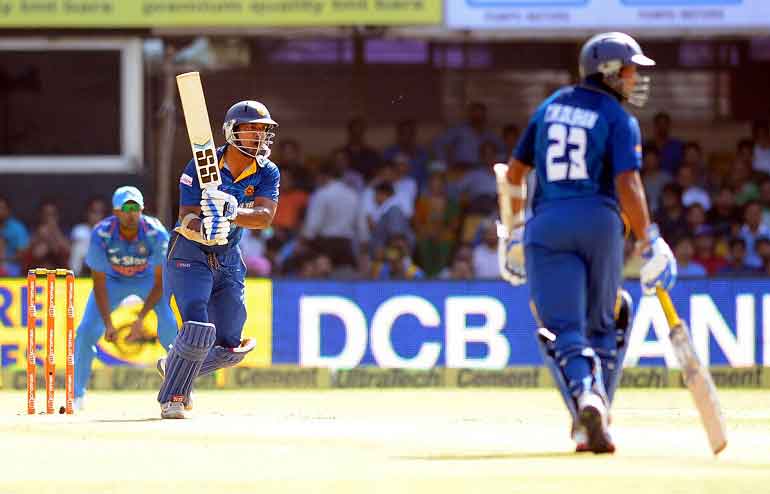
[412, 212]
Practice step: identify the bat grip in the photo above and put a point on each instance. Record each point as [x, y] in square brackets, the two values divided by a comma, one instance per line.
[668, 307]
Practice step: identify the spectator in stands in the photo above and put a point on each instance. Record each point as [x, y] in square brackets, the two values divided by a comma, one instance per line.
[752, 229]
[705, 251]
[388, 220]
[485, 264]
[294, 201]
[396, 263]
[687, 267]
[670, 217]
[363, 158]
[290, 156]
[404, 185]
[459, 146]
[693, 157]
[407, 148]
[332, 221]
[477, 189]
[764, 200]
[340, 160]
[48, 247]
[761, 154]
[742, 180]
[736, 265]
[691, 192]
[723, 215]
[653, 178]
[695, 216]
[254, 251]
[511, 134]
[96, 210]
[744, 152]
[436, 221]
[762, 246]
[671, 149]
[462, 257]
[15, 238]
[5, 271]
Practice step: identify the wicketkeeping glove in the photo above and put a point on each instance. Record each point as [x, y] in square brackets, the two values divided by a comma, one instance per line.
[217, 203]
[659, 268]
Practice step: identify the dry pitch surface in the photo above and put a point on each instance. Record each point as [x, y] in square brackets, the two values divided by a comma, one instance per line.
[363, 442]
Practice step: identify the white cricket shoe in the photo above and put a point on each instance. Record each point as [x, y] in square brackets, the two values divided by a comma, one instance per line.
[79, 403]
[160, 365]
[594, 418]
[172, 410]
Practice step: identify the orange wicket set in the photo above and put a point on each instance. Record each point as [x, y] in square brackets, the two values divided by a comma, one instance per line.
[50, 362]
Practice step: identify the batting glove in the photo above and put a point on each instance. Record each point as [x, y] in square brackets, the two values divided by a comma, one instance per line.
[215, 229]
[510, 254]
[659, 268]
[216, 203]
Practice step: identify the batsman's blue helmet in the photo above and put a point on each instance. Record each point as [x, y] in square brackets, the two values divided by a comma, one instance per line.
[256, 145]
[606, 54]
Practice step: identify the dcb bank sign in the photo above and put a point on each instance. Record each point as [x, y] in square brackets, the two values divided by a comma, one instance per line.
[488, 325]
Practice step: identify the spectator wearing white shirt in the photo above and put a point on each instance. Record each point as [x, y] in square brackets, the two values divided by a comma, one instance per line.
[752, 229]
[485, 264]
[332, 222]
[692, 193]
[80, 236]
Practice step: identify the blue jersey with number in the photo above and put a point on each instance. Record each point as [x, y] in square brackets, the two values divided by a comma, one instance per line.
[578, 140]
[254, 181]
[120, 258]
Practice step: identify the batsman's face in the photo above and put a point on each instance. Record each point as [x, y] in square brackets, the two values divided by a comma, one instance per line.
[629, 76]
[251, 134]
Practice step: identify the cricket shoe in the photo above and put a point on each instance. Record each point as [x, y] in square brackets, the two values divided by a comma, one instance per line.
[79, 403]
[161, 367]
[580, 436]
[172, 410]
[594, 415]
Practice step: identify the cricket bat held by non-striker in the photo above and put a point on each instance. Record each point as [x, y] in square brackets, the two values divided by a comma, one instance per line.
[196, 117]
[696, 376]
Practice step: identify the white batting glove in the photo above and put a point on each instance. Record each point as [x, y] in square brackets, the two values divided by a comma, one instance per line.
[215, 229]
[659, 268]
[510, 254]
[217, 203]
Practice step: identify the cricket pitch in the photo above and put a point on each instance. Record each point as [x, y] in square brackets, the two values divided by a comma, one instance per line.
[377, 442]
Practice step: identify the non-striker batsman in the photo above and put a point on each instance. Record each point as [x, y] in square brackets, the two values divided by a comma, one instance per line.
[205, 272]
[585, 149]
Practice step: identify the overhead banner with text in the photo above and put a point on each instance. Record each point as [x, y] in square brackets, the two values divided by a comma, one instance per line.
[611, 15]
[215, 13]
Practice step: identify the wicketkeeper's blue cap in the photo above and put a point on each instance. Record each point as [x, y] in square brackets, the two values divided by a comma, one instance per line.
[124, 194]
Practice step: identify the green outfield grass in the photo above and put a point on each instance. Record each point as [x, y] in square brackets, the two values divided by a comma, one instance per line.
[344, 441]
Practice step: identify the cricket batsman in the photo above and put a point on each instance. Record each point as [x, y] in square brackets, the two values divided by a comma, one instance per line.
[205, 272]
[126, 256]
[585, 149]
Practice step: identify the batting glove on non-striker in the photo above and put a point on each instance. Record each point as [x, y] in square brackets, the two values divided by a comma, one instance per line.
[510, 254]
[659, 268]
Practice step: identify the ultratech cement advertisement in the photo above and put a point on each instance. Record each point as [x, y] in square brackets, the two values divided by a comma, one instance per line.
[488, 325]
[215, 13]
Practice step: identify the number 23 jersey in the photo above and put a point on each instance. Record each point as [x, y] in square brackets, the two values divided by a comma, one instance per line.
[578, 140]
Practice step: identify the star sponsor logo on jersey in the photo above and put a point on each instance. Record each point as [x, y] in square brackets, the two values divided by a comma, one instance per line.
[186, 179]
[249, 191]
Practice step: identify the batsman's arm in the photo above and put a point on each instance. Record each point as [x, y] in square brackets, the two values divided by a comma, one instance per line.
[259, 216]
[517, 178]
[102, 299]
[155, 294]
[633, 203]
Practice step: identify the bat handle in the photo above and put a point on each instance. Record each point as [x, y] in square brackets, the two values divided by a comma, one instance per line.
[668, 307]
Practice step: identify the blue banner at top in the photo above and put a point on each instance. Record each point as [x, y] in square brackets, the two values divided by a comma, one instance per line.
[488, 324]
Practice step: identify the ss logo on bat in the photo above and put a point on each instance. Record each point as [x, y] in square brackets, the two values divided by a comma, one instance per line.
[207, 165]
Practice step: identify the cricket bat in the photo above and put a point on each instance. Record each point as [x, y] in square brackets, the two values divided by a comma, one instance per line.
[503, 197]
[196, 116]
[696, 376]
